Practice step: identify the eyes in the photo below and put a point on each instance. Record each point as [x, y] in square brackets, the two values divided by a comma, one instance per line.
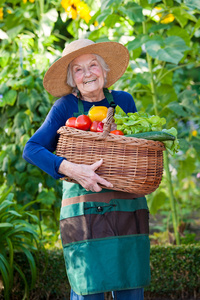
[81, 69]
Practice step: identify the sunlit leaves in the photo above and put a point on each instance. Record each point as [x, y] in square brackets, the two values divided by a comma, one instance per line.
[47, 21]
[193, 4]
[170, 49]
[133, 11]
[107, 3]
[8, 98]
[137, 42]
[157, 201]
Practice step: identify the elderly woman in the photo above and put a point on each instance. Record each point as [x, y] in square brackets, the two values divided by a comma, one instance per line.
[104, 233]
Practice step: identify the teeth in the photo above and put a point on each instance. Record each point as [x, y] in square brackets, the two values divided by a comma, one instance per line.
[89, 81]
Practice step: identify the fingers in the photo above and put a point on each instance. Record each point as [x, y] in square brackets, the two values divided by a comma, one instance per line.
[86, 176]
[96, 179]
[95, 188]
[102, 181]
[96, 165]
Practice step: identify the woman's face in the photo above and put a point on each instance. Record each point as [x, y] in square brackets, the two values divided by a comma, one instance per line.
[88, 74]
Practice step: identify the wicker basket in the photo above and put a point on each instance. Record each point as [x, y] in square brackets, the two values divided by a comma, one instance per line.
[132, 165]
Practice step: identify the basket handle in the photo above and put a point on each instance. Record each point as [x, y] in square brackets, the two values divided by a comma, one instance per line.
[107, 125]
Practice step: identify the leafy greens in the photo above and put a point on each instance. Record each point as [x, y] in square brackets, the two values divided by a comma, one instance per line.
[138, 122]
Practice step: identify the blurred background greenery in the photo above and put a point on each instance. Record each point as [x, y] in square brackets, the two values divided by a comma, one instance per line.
[163, 76]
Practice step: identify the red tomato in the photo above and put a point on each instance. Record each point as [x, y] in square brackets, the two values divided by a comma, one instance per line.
[83, 122]
[117, 132]
[71, 122]
[100, 127]
[94, 125]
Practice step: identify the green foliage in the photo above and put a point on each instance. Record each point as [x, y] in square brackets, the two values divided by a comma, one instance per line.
[24, 106]
[16, 234]
[163, 76]
[174, 274]
[175, 270]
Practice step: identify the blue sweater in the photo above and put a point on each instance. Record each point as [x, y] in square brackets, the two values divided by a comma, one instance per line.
[39, 150]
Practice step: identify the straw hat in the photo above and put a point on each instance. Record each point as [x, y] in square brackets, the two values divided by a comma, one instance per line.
[115, 55]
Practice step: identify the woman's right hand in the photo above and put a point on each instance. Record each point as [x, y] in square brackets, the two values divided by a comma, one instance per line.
[85, 175]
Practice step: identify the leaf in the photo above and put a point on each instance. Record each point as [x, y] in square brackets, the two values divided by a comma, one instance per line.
[48, 20]
[177, 109]
[3, 88]
[4, 59]
[137, 42]
[19, 119]
[13, 32]
[24, 279]
[9, 98]
[144, 78]
[152, 47]
[105, 4]
[139, 63]
[197, 25]
[177, 43]
[153, 1]
[158, 27]
[22, 98]
[3, 35]
[34, 99]
[133, 11]
[170, 55]
[20, 165]
[119, 111]
[166, 78]
[179, 16]
[46, 197]
[186, 167]
[112, 20]
[195, 142]
[5, 225]
[103, 16]
[169, 50]
[184, 145]
[5, 272]
[186, 99]
[24, 82]
[193, 4]
[32, 265]
[157, 201]
[182, 33]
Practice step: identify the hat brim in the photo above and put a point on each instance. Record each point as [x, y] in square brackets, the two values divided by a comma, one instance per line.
[115, 55]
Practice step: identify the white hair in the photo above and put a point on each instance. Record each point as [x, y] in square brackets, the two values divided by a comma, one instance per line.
[70, 79]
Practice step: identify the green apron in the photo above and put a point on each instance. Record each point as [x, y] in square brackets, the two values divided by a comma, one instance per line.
[105, 239]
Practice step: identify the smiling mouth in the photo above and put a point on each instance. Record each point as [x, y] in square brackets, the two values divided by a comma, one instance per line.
[89, 81]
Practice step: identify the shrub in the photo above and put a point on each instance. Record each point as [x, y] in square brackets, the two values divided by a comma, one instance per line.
[175, 271]
[16, 234]
[175, 274]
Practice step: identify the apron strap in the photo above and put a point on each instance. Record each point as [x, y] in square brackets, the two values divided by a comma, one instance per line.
[108, 96]
[80, 107]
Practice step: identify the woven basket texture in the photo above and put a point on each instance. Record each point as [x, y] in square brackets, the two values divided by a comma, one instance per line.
[132, 165]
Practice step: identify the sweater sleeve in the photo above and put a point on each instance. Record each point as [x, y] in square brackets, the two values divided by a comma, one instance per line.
[40, 147]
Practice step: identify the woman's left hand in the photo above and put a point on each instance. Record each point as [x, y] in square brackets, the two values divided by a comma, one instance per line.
[85, 175]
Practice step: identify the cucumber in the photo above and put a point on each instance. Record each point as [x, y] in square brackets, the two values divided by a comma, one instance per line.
[154, 135]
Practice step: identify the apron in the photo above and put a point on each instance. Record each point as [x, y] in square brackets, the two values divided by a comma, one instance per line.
[105, 238]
